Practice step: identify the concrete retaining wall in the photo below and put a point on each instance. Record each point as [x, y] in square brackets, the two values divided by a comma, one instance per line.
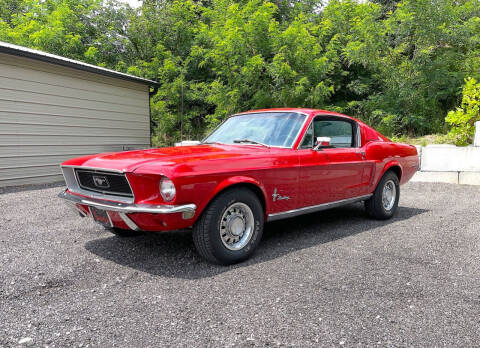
[450, 163]
[450, 158]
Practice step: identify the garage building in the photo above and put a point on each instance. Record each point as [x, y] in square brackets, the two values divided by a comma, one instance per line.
[53, 108]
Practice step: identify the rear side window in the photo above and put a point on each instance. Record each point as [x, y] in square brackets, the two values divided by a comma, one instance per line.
[340, 132]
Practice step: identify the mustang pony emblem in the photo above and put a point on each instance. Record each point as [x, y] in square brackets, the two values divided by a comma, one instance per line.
[277, 197]
[101, 181]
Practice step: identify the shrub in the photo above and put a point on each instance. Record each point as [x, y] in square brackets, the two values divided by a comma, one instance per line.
[463, 118]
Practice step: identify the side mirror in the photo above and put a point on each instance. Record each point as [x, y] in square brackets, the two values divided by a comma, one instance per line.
[322, 142]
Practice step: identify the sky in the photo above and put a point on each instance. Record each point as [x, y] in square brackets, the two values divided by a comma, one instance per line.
[133, 3]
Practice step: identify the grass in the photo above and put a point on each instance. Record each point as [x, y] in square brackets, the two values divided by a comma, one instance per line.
[425, 140]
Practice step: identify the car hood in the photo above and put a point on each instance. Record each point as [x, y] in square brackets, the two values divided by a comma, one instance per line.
[130, 161]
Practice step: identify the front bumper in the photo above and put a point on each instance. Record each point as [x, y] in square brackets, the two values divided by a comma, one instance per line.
[187, 210]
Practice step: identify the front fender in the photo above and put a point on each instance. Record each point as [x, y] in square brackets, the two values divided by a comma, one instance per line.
[229, 182]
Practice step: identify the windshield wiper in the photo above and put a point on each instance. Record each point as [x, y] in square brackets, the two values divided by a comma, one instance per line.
[249, 141]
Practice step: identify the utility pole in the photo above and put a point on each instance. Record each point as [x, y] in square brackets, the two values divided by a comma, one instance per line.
[181, 115]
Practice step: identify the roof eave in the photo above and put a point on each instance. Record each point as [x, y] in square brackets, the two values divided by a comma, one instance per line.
[53, 59]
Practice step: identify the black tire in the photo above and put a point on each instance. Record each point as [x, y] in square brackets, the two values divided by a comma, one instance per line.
[122, 233]
[375, 207]
[206, 231]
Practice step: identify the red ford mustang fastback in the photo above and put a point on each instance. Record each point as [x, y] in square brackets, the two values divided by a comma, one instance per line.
[255, 167]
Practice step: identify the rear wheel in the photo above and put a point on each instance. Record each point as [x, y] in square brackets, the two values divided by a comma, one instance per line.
[230, 228]
[384, 202]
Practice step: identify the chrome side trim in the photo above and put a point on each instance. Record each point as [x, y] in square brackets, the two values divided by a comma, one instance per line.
[315, 208]
[129, 222]
[300, 130]
[359, 136]
[126, 207]
[269, 112]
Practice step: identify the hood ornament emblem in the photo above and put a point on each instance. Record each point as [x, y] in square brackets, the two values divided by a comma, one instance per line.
[101, 181]
[277, 197]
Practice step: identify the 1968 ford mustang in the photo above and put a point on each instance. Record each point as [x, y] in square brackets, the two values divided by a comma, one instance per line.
[255, 167]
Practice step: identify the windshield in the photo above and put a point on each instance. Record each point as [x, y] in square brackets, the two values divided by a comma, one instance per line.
[268, 128]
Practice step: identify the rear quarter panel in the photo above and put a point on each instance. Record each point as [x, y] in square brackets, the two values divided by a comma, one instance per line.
[386, 155]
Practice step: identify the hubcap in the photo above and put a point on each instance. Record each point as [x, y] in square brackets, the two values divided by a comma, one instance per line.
[236, 226]
[389, 195]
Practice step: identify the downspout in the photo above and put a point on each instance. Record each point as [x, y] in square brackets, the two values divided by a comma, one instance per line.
[150, 95]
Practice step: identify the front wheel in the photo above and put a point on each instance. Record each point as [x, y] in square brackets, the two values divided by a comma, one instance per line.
[384, 202]
[230, 228]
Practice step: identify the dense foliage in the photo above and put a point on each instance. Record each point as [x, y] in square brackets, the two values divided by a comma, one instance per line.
[398, 65]
[463, 118]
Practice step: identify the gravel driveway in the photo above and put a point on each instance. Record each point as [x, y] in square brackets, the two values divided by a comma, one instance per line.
[330, 278]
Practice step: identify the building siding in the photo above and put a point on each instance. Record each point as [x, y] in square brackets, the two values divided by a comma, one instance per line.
[50, 113]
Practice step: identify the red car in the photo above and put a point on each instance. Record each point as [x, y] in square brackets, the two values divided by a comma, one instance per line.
[255, 167]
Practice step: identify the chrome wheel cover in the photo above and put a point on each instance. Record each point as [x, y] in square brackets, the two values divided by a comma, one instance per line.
[389, 195]
[236, 226]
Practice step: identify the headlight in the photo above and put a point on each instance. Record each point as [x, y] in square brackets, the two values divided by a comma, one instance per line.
[167, 189]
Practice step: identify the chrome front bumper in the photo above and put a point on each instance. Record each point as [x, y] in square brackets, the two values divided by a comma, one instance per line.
[187, 210]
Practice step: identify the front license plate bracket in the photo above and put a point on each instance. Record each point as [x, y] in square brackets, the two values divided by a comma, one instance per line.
[100, 216]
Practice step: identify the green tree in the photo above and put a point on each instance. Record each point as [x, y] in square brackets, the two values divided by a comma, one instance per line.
[462, 120]
[421, 64]
[62, 27]
[258, 62]
[397, 64]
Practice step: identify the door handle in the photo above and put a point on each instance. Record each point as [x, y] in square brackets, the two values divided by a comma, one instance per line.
[363, 154]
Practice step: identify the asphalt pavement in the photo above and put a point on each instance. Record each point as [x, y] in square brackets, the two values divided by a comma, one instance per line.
[333, 278]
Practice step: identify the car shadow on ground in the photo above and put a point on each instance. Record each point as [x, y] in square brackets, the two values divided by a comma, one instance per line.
[172, 254]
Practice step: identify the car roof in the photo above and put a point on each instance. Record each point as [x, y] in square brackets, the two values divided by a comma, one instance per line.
[300, 110]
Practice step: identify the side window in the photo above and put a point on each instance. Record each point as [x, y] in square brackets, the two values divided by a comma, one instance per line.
[307, 142]
[340, 132]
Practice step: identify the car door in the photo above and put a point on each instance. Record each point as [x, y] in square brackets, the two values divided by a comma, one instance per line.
[314, 176]
[336, 172]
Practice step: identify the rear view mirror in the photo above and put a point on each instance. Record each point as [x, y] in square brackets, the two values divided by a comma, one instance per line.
[322, 142]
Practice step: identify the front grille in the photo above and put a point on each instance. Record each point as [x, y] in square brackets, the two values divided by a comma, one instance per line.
[104, 182]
